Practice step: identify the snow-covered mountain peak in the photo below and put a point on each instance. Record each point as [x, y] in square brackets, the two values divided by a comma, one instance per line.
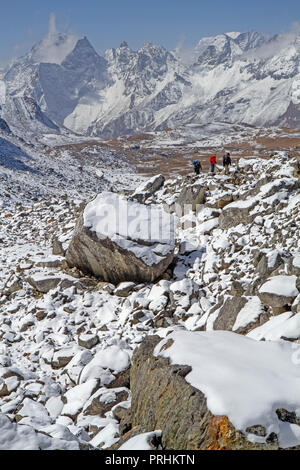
[151, 48]
[124, 44]
[83, 55]
[212, 51]
[250, 40]
[233, 34]
[216, 49]
[54, 48]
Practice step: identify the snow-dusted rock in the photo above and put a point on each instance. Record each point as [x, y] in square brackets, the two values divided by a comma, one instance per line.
[294, 264]
[44, 282]
[103, 400]
[283, 326]
[143, 441]
[77, 363]
[181, 294]
[88, 341]
[206, 227]
[54, 406]
[268, 263]
[228, 313]
[209, 267]
[148, 188]
[34, 410]
[236, 212]
[77, 396]
[62, 357]
[190, 197]
[23, 437]
[112, 358]
[57, 247]
[124, 289]
[224, 201]
[8, 385]
[119, 240]
[279, 291]
[234, 355]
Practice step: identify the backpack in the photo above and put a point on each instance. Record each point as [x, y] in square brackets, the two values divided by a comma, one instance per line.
[195, 164]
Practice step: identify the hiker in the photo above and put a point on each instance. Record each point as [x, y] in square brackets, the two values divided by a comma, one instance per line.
[197, 167]
[213, 162]
[226, 162]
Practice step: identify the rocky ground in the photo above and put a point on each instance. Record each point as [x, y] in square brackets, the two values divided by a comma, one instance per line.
[172, 151]
[73, 348]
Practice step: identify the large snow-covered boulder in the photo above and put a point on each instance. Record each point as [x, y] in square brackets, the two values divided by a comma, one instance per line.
[119, 240]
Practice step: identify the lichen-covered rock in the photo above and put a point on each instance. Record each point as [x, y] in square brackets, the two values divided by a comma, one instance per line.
[162, 399]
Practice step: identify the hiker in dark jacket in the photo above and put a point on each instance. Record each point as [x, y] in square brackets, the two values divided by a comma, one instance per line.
[226, 162]
[197, 167]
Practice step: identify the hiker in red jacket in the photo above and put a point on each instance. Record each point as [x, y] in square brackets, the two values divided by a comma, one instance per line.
[213, 161]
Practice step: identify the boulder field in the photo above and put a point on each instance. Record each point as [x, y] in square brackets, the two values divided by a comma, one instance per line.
[117, 336]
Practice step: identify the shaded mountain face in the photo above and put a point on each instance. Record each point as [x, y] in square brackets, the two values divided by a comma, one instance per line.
[233, 77]
[56, 74]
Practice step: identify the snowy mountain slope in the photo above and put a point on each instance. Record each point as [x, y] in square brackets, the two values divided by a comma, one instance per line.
[233, 77]
[56, 88]
[31, 170]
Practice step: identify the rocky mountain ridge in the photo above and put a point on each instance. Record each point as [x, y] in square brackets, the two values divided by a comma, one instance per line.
[233, 77]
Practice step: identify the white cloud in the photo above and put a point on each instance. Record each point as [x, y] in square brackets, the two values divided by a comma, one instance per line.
[276, 44]
[55, 46]
[52, 24]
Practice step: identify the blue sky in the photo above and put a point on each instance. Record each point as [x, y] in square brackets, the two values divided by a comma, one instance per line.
[167, 22]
